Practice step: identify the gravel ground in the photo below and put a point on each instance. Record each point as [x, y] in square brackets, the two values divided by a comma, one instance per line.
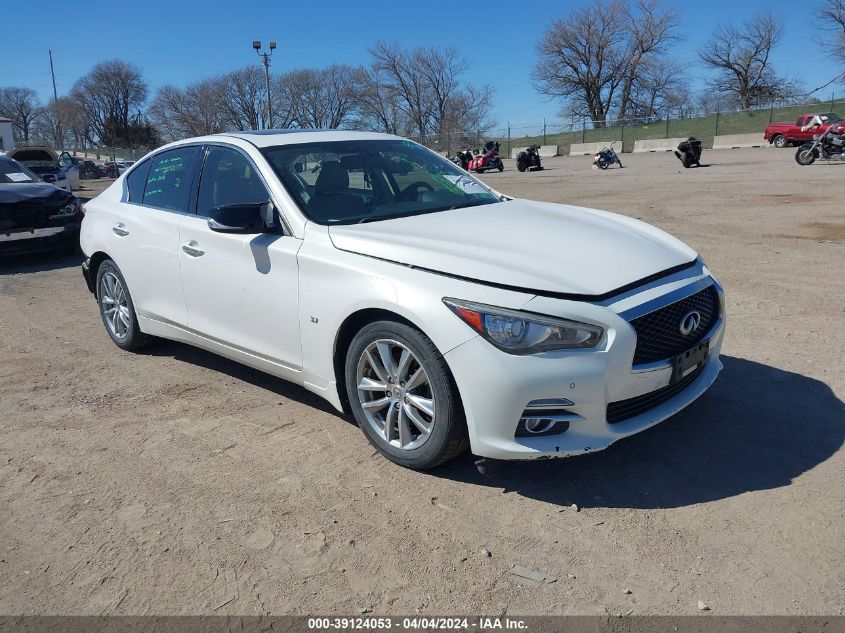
[173, 481]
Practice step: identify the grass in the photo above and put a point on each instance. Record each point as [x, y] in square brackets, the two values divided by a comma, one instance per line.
[704, 128]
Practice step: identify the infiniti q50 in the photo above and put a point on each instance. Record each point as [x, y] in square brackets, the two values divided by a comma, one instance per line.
[440, 313]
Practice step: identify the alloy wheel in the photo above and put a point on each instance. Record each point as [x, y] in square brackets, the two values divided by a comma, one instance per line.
[395, 394]
[115, 306]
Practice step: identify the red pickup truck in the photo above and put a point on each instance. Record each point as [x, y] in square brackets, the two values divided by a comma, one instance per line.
[783, 134]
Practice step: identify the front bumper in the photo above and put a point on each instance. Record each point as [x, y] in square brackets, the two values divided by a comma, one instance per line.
[496, 388]
[41, 239]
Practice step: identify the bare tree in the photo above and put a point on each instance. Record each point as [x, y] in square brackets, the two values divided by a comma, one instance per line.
[441, 71]
[584, 58]
[378, 104]
[54, 120]
[244, 98]
[110, 95]
[660, 85]
[740, 58]
[651, 31]
[423, 92]
[194, 111]
[324, 98]
[832, 15]
[402, 78]
[22, 106]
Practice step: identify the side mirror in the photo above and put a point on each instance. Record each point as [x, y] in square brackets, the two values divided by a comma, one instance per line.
[245, 219]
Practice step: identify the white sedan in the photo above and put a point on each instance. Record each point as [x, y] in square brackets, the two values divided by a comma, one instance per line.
[377, 274]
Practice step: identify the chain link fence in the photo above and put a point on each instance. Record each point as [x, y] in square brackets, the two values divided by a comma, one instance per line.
[104, 153]
[676, 123]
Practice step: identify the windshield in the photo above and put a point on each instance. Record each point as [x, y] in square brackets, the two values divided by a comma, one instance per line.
[12, 172]
[346, 182]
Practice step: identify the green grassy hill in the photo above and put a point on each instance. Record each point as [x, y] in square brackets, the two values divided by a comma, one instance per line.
[704, 128]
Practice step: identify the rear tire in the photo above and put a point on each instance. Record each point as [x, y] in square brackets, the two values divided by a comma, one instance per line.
[779, 141]
[397, 398]
[501, 166]
[117, 309]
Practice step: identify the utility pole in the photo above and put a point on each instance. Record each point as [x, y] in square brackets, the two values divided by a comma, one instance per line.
[56, 98]
[53, 73]
[266, 61]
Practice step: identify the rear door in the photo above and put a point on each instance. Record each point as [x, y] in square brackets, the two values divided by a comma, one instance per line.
[241, 290]
[144, 232]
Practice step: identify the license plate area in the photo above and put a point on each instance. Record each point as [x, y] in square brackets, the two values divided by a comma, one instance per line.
[684, 364]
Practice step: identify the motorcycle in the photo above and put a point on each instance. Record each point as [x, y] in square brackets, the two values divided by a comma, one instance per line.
[605, 158]
[689, 152]
[488, 159]
[529, 159]
[827, 146]
[462, 158]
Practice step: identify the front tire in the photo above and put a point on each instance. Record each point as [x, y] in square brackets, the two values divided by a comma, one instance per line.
[779, 141]
[805, 155]
[403, 396]
[117, 309]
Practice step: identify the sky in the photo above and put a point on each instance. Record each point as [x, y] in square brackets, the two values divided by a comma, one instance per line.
[181, 41]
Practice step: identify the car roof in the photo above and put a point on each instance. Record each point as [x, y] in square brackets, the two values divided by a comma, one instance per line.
[269, 138]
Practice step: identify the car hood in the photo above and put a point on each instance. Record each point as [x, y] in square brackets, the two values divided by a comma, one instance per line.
[549, 248]
[33, 192]
[33, 155]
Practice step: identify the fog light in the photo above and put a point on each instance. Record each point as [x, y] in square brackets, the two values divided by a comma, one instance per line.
[540, 425]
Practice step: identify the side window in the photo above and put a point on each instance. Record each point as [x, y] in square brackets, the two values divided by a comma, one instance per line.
[800, 121]
[228, 178]
[169, 181]
[136, 180]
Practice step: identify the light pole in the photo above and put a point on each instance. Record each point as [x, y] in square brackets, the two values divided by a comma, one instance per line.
[266, 60]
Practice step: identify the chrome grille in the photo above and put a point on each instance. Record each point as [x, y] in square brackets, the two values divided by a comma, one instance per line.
[658, 333]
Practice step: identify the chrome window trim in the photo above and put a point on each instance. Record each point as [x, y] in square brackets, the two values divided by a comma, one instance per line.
[279, 208]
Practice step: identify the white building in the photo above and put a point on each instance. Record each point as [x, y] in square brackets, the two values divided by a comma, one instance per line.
[6, 141]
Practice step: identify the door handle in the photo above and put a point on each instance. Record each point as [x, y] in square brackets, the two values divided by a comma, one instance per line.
[120, 229]
[192, 249]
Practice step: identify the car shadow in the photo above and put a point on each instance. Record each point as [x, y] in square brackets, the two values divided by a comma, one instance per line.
[195, 356]
[757, 428]
[38, 262]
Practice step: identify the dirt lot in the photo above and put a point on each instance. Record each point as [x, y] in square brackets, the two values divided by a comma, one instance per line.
[176, 482]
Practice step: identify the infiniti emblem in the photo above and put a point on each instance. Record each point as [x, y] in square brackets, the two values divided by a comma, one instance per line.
[690, 322]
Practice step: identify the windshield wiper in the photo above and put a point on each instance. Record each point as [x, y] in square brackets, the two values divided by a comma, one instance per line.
[389, 216]
[394, 216]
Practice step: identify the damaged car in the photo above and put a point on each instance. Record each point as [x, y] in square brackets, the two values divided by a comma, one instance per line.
[53, 168]
[35, 215]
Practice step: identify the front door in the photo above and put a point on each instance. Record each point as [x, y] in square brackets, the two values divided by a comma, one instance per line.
[241, 290]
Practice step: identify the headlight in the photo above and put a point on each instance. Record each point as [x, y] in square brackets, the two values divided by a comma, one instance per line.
[517, 332]
[66, 211]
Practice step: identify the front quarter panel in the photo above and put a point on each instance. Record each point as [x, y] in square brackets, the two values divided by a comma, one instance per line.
[335, 284]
